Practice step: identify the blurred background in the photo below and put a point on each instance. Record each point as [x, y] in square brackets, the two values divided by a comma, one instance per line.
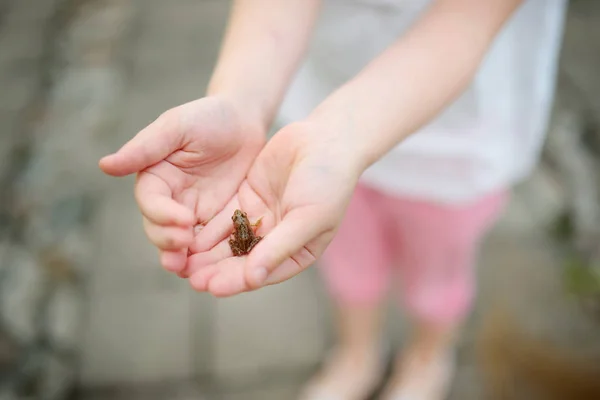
[85, 310]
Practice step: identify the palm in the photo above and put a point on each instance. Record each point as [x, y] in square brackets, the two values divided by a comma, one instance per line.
[190, 163]
[208, 169]
[286, 183]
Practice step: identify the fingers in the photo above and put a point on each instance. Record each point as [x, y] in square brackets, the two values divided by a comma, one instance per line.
[221, 275]
[173, 261]
[198, 261]
[169, 238]
[297, 229]
[167, 223]
[230, 279]
[151, 145]
[203, 267]
[292, 266]
[221, 279]
[215, 230]
[155, 201]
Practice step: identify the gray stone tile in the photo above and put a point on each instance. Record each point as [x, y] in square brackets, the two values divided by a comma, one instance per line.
[190, 43]
[22, 290]
[288, 392]
[126, 260]
[17, 92]
[203, 319]
[138, 338]
[127, 269]
[276, 327]
[467, 384]
[184, 390]
[23, 13]
[533, 204]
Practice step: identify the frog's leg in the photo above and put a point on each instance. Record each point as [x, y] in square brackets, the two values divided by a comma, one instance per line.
[234, 247]
[254, 242]
[236, 251]
[257, 223]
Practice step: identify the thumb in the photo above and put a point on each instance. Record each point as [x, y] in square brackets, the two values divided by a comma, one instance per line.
[151, 145]
[290, 236]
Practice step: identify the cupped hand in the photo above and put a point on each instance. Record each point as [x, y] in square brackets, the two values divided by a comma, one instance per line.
[299, 187]
[190, 163]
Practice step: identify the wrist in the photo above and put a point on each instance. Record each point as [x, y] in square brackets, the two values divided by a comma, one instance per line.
[250, 109]
[339, 129]
[249, 112]
[247, 115]
[327, 136]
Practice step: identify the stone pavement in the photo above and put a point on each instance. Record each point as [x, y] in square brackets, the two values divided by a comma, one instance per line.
[144, 334]
[57, 87]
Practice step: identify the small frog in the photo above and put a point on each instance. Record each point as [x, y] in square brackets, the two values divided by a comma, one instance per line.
[244, 238]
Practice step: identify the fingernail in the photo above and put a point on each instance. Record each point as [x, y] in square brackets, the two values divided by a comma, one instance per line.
[260, 276]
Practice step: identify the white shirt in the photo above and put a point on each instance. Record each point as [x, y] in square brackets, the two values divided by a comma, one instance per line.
[488, 139]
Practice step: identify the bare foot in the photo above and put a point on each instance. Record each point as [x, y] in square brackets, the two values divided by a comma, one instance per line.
[421, 376]
[346, 376]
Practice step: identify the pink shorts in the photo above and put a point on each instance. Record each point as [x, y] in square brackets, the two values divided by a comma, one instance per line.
[430, 248]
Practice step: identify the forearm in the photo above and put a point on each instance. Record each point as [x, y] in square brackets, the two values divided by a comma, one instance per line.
[414, 79]
[263, 45]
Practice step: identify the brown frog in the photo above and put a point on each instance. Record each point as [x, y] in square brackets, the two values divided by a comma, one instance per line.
[244, 238]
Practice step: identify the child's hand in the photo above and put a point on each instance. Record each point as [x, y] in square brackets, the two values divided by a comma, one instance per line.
[190, 163]
[299, 185]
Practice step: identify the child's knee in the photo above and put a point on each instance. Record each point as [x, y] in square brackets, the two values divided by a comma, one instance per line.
[442, 303]
[440, 285]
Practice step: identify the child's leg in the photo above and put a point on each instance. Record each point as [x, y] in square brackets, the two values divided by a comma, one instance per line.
[437, 274]
[356, 269]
